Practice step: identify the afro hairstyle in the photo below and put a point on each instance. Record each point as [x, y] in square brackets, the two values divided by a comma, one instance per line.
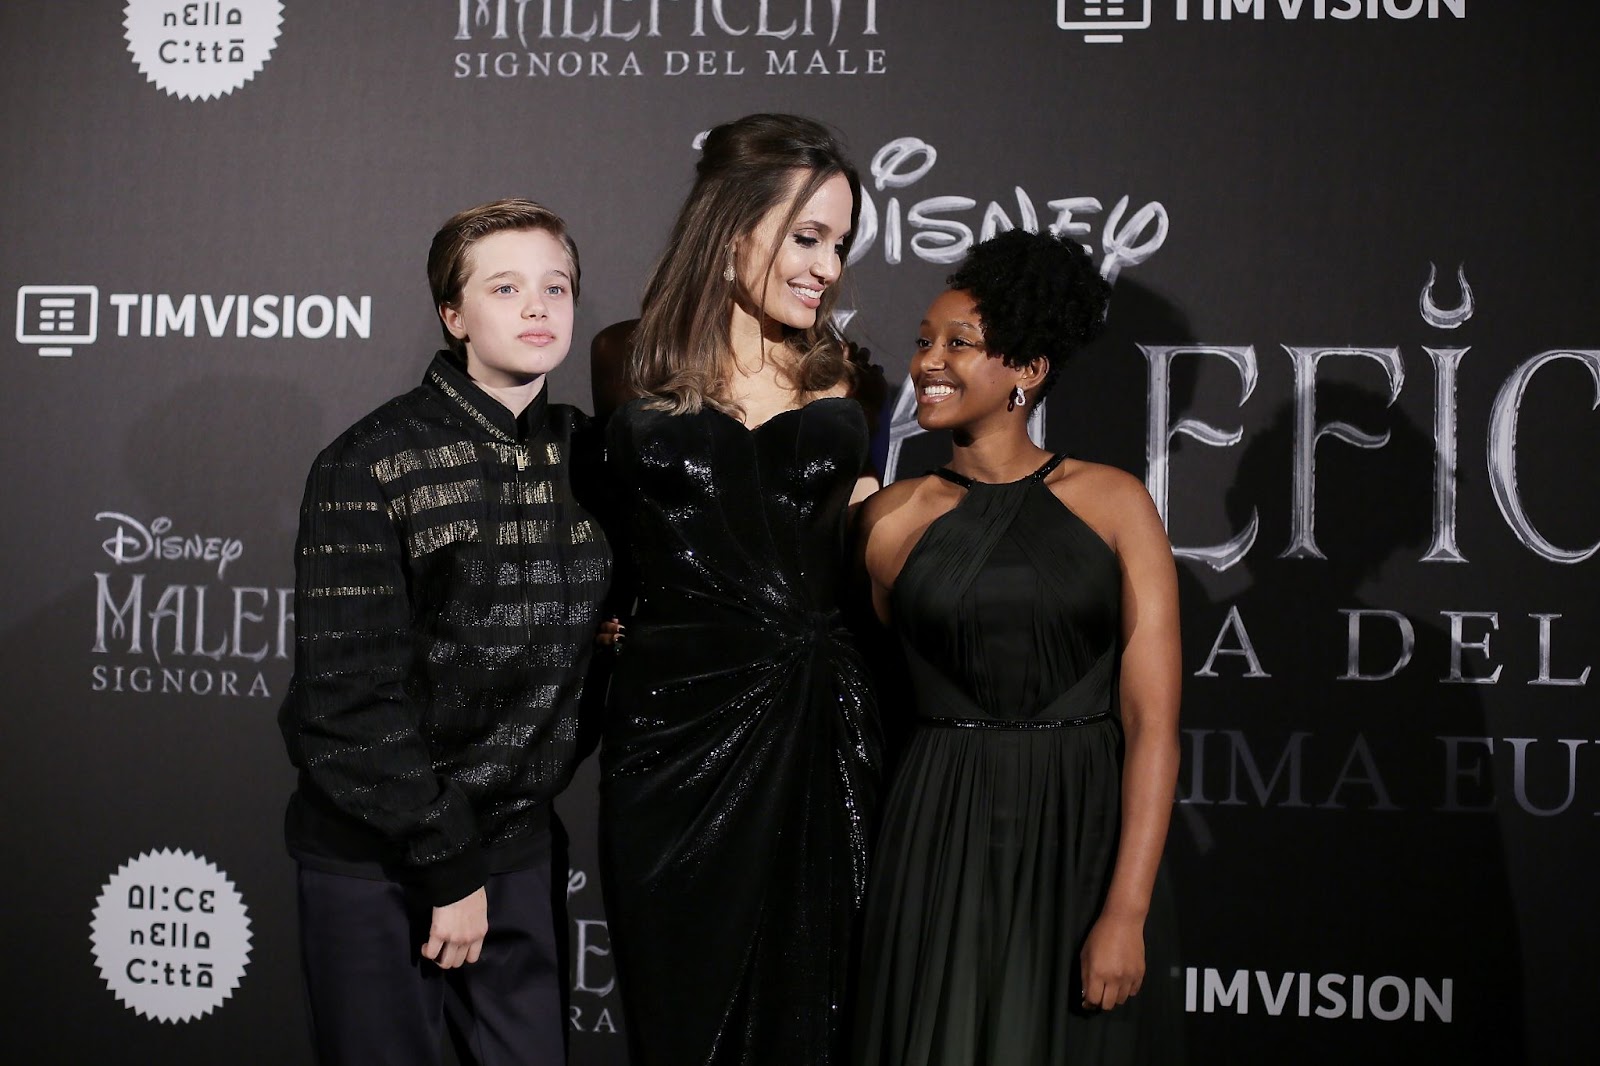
[1038, 295]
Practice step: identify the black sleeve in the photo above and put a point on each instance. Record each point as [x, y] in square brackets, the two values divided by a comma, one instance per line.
[598, 482]
[349, 724]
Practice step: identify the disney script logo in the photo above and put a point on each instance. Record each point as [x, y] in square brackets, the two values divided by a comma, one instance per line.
[134, 542]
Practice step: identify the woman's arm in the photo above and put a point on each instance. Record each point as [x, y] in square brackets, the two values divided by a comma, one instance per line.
[1113, 955]
[866, 485]
[887, 525]
[866, 591]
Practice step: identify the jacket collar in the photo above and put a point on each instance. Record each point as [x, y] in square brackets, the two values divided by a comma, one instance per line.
[448, 374]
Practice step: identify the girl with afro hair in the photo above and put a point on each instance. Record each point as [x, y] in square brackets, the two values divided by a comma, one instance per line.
[1017, 911]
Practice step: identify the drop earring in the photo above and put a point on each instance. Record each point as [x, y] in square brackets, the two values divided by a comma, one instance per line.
[1018, 398]
[727, 271]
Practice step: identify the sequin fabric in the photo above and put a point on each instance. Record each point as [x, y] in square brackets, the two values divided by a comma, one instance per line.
[741, 754]
[447, 590]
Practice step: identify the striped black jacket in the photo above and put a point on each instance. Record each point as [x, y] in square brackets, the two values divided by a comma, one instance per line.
[447, 591]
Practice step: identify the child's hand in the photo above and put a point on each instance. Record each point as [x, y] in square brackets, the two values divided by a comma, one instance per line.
[456, 934]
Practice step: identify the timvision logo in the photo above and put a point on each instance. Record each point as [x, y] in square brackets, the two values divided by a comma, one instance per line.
[1329, 995]
[60, 319]
[1108, 21]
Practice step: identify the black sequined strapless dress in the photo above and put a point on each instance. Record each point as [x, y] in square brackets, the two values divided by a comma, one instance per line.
[740, 752]
[1000, 829]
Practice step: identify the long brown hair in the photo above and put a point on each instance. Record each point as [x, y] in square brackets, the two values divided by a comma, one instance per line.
[682, 350]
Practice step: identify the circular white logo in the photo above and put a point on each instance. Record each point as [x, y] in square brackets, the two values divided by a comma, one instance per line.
[170, 935]
[196, 51]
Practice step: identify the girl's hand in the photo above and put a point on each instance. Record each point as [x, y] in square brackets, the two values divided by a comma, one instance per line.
[1112, 961]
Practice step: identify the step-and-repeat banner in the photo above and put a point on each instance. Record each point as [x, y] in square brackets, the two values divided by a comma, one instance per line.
[1353, 352]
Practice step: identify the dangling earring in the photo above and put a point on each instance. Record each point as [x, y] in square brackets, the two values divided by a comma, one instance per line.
[1018, 399]
[727, 271]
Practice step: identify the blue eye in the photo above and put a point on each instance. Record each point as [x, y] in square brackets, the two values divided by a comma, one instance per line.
[507, 288]
[555, 290]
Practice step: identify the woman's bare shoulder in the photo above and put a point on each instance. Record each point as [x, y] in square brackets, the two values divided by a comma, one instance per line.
[890, 499]
[1111, 500]
[1099, 479]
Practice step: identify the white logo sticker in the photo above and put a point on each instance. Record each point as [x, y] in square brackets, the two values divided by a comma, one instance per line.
[170, 936]
[57, 317]
[201, 50]
[1103, 21]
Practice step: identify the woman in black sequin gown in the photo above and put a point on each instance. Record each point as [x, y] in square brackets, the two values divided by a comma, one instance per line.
[1017, 913]
[740, 752]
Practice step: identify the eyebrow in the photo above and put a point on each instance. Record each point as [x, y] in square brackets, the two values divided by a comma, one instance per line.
[958, 322]
[517, 274]
[811, 223]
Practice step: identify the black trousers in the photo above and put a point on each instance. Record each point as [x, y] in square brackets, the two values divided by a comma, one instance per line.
[375, 999]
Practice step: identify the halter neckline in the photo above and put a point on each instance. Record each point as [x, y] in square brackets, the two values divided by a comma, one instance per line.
[967, 482]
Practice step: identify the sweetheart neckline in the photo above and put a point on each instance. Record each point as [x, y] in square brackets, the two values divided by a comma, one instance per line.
[774, 417]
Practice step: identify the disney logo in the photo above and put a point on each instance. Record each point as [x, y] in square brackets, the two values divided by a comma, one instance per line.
[937, 236]
[135, 542]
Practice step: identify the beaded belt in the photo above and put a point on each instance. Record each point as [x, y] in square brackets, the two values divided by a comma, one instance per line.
[1014, 723]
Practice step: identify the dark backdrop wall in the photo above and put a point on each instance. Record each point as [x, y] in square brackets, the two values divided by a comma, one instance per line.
[1353, 350]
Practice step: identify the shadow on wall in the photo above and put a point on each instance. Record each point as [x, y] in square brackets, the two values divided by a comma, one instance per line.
[1322, 825]
[1323, 828]
[232, 446]
[114, 758]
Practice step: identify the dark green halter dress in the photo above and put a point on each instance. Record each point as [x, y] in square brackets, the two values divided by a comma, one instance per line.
[1002, 824]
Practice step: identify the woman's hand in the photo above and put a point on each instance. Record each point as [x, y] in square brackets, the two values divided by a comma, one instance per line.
[611, 633]
[1112, 962]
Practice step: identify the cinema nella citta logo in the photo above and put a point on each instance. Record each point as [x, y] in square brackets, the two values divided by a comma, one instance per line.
[170, 935]
[200, 51]
[665, 38]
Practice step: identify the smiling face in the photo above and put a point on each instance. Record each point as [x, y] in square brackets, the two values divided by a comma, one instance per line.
[516, 308]
[959, 382]
[809, 257]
